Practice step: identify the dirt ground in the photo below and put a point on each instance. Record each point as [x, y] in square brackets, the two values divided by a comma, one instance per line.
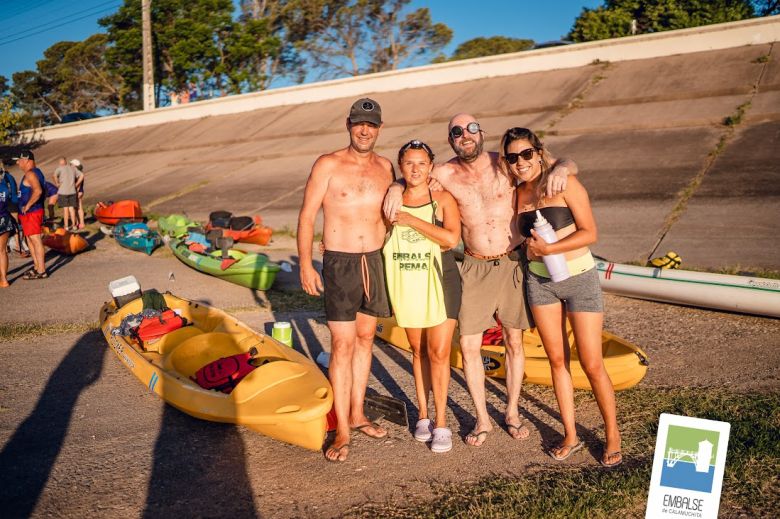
[81, 436]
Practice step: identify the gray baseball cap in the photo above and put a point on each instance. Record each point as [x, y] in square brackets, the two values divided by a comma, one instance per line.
[365, 110]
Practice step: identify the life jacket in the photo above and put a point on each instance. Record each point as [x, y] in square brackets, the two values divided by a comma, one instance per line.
[155, 327]
[13, 191]
[224, 374]
[493, 336]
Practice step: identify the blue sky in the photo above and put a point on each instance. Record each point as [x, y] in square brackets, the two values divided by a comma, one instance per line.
[31, 26]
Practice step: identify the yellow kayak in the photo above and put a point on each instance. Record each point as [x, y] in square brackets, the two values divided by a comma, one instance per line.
[626, 363]
[287, 397]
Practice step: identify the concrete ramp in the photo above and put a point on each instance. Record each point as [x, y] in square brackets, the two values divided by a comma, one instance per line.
[662, 168]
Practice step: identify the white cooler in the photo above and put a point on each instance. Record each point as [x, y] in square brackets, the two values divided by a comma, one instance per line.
[124, 290]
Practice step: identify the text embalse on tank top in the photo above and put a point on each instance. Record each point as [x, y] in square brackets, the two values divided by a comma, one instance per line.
[412, 261]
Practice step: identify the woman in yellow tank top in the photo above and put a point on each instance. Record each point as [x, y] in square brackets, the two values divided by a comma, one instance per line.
[424, 285]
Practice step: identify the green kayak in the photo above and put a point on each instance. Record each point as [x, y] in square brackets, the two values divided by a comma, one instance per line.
[249, 270]
[175, 225]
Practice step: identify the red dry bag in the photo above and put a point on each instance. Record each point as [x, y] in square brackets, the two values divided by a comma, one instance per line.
[224, 374]
[155, 327]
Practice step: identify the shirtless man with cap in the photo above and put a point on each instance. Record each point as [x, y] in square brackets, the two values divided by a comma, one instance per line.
[491, 273]
[349, 185]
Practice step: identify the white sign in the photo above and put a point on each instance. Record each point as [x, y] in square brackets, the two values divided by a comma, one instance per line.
[690, 457]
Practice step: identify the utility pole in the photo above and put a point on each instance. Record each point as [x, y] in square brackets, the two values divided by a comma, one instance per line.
[148, 63]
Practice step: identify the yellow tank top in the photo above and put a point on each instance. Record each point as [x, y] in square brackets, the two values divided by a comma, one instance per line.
[414, 275]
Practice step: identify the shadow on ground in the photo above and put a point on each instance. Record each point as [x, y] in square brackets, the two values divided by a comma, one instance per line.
[28, 457]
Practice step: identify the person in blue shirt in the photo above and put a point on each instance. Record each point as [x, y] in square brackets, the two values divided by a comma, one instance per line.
[8, 199]
[31, 199]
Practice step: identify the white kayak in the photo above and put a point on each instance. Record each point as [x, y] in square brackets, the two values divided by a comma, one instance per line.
[749, 295]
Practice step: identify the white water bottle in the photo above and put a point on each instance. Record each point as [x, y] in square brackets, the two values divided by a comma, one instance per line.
[555, 263]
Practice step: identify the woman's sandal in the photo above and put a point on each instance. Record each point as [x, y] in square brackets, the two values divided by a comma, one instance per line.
[340, 451]
[32, 274]
[518, 432]
[479, 438]
[609, 455]
[560, 448]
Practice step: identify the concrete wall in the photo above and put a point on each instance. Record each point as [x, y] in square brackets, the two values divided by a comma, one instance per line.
[711, 37]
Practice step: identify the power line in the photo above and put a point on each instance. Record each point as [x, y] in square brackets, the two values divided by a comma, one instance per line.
[19, 8]
[63, 20]
[39, 31]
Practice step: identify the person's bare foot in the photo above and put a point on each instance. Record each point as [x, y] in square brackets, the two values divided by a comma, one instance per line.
[4, 284]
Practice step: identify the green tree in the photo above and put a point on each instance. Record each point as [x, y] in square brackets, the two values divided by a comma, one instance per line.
[9, 117]
[360, 36]
[71, 77]
[195, 42]
[766, 7]
[478, 47]
[292, 23]
[397, 40]
[614, 18]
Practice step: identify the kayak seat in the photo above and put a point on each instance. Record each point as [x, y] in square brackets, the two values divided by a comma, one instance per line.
[241, 223]
[213, 237]
[220, 218]
[198, 350]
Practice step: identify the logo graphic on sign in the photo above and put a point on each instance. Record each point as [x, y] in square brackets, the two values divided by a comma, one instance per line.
[689, 458]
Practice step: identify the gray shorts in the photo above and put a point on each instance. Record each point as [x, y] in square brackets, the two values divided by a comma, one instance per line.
[581, 293]
[68, 200]
[492, 287]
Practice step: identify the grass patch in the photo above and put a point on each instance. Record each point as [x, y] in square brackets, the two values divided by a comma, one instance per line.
[736, 118]
[761, 59]
[750, 484]
[20, 331]
[298, 300]
[286, 231]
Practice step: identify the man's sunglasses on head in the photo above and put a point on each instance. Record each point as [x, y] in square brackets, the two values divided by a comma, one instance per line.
[526, 154]
[457, 131]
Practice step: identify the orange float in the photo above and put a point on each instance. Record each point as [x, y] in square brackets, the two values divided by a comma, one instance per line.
[110, 213]
[63, 241]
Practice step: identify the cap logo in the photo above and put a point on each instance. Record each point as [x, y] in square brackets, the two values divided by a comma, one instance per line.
[367, 106]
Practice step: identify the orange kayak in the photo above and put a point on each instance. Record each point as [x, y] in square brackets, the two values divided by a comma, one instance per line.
[63, 241]
[110, 213]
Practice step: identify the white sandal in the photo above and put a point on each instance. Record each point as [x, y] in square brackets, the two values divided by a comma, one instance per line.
[442, 440]
[423, 430]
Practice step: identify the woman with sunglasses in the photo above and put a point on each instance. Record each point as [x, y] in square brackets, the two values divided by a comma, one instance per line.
[424, 285]
[523, 155]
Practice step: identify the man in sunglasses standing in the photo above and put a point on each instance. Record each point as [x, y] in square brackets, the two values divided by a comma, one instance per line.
[349, 185]
[492, 274]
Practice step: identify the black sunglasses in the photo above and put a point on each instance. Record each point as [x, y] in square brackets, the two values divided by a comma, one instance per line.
[526, 154]
[457, 131]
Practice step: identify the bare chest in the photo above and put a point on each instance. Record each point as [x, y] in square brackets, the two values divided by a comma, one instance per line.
[356, 190]
[487, 195]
